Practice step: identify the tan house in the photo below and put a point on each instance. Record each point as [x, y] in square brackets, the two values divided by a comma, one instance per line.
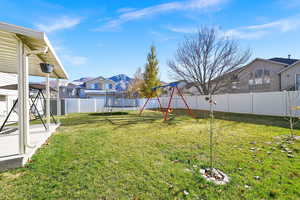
[260, 75]
[97, 88]
[265, 75]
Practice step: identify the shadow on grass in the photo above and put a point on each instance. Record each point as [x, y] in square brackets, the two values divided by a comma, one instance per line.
[244, 118]
[109, 113]
[119, 119]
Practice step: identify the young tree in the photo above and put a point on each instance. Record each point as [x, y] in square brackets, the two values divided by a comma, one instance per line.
[206, 58]
[150, 75]
[292, 109]
[135, 85]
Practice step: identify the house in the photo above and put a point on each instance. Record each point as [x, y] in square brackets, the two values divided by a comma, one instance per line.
[88, 88]
[97, 88]
[70, 90]
[265, 75]
[7, 97]
[260, 75]
[184, 87]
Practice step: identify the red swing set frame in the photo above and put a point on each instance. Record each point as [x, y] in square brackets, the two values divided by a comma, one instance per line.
[174, 87]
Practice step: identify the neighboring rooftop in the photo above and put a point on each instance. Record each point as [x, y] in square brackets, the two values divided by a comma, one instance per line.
[287, 61]
[84, 79]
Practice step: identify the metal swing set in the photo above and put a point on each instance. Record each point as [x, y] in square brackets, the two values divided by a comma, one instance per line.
[173, 87]
[34, 87]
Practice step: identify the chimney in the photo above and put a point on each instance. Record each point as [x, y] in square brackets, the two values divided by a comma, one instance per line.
[289, 56]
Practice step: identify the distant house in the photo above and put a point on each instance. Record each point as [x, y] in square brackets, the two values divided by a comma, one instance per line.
[264, 75]
[7, 97]
[71, 90]
[260, 75]
[87, 88]
[184, 87]
[97, 88]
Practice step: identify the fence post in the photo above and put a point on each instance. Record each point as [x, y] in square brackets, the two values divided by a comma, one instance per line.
[78, 105]
[252, 102]
[66, 106]
[286, 102]
[228, 102]
[95, 105]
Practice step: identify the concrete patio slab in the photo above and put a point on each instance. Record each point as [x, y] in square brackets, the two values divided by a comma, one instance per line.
[9, 146]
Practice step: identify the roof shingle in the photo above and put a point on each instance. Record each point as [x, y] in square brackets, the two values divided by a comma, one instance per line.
[287, 61]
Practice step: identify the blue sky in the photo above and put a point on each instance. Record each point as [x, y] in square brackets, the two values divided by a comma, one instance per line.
[110, 37]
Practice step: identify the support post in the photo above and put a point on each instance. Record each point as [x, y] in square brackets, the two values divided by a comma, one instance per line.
[48, 103]
[58, 101]
[160, 106]
[23, 95]
[190, 111]
[144, 106]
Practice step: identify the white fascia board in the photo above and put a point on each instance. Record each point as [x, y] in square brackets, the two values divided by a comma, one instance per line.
[289, 67]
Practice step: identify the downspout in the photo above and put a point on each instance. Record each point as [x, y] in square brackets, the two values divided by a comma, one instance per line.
[25, 88]
[26, 121]
[280, 82]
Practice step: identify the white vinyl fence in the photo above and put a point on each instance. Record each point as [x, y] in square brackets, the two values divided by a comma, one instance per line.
[76, 105]
[268, 103]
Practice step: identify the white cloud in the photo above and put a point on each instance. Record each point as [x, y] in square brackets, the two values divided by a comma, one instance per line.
[183, 29]
[282, 25]
[56, 24]
[75, 60]
[124, 10]
[160, 37]
[239, 34]
[253, 31]
[68, 57]
[160, 8]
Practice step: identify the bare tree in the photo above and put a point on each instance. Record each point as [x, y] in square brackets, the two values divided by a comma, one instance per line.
[135, 85]
[205, 59]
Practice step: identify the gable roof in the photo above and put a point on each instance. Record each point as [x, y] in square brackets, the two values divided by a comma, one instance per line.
[287, 61]
[290, 66]
[100, 78]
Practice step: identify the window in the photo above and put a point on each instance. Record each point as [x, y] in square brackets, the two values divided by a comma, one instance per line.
[108, 86]
[95, 86]
[251, 81]
[73, 92]
[234, 85]
[259, 77]
[234, 78]
[267, 78]
[297, 81]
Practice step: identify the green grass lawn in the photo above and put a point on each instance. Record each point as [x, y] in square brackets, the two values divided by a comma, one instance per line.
[123, 156]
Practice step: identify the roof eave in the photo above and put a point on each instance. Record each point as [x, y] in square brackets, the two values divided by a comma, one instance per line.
[37, 35]
[289, 67]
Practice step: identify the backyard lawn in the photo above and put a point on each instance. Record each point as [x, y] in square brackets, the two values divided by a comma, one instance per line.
[123, 156]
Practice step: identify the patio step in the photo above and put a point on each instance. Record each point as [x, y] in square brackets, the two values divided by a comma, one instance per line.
[11, 162]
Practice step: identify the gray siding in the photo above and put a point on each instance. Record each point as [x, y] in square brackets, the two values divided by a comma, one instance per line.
[288, 77]
[243, 78]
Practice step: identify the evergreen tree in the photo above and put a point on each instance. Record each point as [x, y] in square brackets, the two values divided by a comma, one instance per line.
[151, 75]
